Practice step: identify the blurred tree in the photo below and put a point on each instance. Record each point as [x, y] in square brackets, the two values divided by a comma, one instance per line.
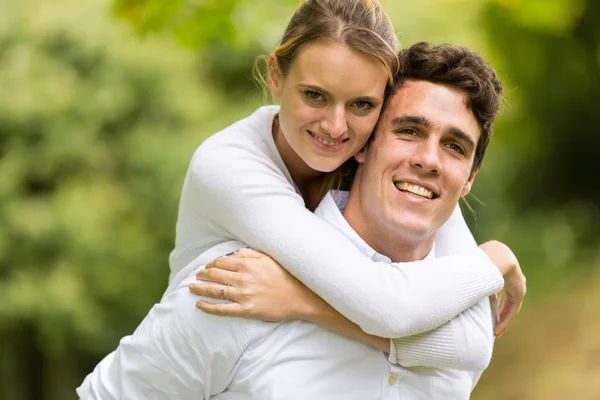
[227, 34]
[549, 51]
[539, 171]
[96, 130]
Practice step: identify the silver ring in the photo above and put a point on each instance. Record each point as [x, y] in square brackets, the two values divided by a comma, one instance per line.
[222, 293]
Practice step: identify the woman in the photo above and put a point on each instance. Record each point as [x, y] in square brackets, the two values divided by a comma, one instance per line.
[258, 180]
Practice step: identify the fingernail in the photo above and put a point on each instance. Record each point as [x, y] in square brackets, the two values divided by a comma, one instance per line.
[191, 287]
[198, 304]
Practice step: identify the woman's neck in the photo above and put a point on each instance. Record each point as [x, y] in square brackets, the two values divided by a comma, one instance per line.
[308, 180]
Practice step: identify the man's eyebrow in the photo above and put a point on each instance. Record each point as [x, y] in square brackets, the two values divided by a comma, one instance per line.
[412, 119]
[457, 133]
[418, 120]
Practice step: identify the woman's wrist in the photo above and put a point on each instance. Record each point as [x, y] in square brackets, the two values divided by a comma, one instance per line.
[314, 309]
[501, 256]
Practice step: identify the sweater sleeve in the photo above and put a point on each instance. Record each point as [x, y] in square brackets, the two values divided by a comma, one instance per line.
[464, 343]
[241, 191]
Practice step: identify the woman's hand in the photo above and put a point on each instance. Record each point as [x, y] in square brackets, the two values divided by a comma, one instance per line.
[259, 288]
[515, 285]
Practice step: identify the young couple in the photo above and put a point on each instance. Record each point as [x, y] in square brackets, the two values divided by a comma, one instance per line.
[379, 292]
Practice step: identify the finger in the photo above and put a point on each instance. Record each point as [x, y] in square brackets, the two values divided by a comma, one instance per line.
[214, 291]
[218, 275]
[227, 263]
[230, 309]
[248, 253]
[509, 311]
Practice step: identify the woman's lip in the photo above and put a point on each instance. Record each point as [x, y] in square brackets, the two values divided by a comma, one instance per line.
[325, 148]
[328, 139]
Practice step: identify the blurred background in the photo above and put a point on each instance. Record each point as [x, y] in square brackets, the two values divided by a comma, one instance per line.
[102, 104]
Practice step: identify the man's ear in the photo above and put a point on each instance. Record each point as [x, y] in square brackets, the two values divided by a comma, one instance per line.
[274, 76]
[360, 156]
[467, 187]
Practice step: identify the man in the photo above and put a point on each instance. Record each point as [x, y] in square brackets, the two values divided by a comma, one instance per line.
[423, 156]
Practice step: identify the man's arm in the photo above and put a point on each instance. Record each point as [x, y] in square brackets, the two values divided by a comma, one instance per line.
[177, 351]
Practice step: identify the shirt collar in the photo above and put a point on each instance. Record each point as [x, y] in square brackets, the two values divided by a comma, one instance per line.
[330, 209]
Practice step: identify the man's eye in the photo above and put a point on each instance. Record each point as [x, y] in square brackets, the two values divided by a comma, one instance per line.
[313, 95]
[456, 148]
[407, 131]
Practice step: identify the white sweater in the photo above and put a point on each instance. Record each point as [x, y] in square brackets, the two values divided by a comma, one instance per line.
[238, 188]
[180, 352]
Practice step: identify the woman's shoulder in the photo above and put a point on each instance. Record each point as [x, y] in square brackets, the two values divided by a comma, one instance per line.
[248, 134]
[244, 150]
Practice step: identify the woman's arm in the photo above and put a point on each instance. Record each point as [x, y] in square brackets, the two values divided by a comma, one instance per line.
[246, 195]
[463, 343]
[267, 292]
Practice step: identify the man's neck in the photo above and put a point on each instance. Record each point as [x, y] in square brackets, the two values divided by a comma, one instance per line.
[385, 240]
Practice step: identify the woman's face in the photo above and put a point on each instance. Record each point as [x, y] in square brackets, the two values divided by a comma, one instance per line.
[330, 101]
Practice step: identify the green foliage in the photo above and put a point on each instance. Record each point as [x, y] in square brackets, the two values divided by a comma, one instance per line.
[96, 130]
[543, 158]
[551, 59]
[228, 34]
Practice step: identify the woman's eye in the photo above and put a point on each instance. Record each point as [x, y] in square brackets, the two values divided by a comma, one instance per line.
[363, 105]
[313, 95]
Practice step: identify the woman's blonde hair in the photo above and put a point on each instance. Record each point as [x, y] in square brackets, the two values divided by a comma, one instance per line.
[359, 24]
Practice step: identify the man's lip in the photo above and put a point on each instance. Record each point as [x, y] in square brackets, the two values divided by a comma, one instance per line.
[328, 138]
[435, 192]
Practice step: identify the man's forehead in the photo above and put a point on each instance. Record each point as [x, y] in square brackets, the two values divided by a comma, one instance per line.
[431, 102]
[415, 92]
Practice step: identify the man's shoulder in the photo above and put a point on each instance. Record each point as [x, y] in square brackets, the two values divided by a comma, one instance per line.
[191, 321]
[191, 269]
[199, 329]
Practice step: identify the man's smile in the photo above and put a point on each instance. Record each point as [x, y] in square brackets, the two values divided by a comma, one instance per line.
[415, 190]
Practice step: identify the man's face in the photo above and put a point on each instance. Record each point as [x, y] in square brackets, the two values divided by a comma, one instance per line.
[419, 163]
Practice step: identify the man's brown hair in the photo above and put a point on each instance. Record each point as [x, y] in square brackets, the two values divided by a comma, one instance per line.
[460, 68]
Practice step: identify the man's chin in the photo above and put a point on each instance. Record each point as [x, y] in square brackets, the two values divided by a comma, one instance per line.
[412, 228]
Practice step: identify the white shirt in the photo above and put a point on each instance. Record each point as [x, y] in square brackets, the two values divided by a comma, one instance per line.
[181, 352]
[238, 188]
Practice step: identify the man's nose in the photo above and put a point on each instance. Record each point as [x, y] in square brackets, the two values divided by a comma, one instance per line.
[427, 157]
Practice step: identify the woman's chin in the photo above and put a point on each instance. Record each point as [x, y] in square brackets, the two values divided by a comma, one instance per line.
[325, 165]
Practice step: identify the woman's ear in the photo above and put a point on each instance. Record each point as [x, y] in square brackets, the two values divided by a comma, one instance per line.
[274, 76]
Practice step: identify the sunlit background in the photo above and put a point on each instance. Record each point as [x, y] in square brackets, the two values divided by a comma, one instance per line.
[103, 103]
